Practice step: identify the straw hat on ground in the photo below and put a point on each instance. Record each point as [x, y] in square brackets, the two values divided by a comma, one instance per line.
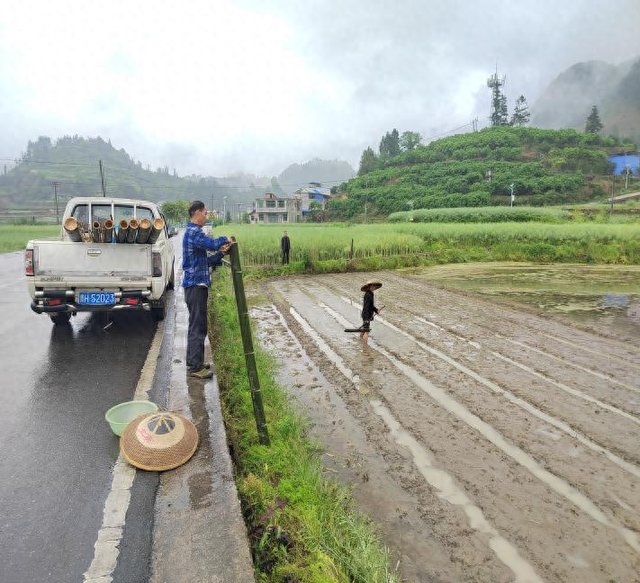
[159, 441]
[375, 284]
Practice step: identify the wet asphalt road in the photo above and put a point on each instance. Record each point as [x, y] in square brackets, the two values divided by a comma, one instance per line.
[57, 450]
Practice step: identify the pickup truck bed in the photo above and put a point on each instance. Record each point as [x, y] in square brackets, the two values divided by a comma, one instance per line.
[65, 277]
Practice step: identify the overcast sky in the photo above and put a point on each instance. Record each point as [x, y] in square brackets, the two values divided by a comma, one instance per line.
[218, 86]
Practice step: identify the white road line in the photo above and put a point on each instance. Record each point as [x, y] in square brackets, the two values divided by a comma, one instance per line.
[105, 556]
[436, 477]
[554, 482]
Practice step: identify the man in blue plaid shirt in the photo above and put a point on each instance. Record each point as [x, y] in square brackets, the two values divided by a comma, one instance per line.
[196, 282]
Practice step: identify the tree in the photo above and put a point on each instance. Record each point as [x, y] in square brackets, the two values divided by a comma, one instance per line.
[176, 211]
[521, 113]
[594, 125]
[276, 188]
[409, 140]
[390, 144]
[368, 162]
[499, 113]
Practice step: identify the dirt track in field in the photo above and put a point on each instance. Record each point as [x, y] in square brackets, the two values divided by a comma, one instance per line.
[488, 443]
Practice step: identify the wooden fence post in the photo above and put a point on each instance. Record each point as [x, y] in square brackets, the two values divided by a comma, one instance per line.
[247, 343]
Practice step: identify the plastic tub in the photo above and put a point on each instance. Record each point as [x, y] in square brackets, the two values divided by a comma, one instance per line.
[121, 415]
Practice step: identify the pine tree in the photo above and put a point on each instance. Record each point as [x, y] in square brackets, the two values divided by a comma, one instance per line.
[499, 113]
[390, 144]
[521, 113]
[368, 162]
[594, 125]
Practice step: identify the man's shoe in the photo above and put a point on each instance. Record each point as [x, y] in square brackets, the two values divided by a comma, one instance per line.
[203, 373]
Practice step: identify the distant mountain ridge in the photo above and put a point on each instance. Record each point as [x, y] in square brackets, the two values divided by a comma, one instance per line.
[615, 90]
[328, 172]
[72, 163]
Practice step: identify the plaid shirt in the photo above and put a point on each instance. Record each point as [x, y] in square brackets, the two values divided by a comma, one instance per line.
[195, 262]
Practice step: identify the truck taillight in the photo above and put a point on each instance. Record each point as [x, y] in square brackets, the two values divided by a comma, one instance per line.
[28, 262]
[157, 264]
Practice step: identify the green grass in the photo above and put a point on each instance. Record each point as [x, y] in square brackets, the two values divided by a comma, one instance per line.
[15, 237]
[490, 214]
[323, 248]
[303, 526]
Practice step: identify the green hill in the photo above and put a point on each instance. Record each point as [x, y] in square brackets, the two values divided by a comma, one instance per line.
[546, 167]
[72, 162]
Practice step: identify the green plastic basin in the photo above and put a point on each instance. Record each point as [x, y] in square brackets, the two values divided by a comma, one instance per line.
[121, 415]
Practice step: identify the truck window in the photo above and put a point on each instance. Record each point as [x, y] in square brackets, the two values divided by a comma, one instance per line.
[81, 214]
[144, 213]
[101, 212]
[123, 212]
[126, 212]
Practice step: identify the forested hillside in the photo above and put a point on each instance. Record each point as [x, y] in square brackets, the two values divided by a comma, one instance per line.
[615, 90]
[72, 162]
[546, 167]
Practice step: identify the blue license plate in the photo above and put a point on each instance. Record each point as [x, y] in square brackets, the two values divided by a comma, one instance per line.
[97, 298]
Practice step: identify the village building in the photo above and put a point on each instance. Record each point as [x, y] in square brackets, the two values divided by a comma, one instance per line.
[272, 209]
[314, 193]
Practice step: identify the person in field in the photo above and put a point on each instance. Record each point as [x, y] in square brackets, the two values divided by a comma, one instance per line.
[285, 247]
[369, 309]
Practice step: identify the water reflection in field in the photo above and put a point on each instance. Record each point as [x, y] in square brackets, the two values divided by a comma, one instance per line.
[607, 295]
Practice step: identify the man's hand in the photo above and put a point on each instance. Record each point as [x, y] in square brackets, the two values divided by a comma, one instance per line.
[226, 248]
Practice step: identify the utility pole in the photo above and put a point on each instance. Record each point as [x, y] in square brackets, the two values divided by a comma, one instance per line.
[513, 196]
[224, 210]
[55, 197]
[613, 183]
[102, 182]
[366, 196]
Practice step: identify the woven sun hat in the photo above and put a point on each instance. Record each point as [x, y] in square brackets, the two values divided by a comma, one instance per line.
[365, 287]
[159, 441]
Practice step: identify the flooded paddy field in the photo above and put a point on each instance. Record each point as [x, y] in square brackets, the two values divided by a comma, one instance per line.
[491, 442]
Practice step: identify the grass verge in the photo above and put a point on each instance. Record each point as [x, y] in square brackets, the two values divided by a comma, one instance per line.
[15, 237]
[303, 526]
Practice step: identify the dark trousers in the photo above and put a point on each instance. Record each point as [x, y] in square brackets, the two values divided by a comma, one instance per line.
[285, 257]
[196, 298]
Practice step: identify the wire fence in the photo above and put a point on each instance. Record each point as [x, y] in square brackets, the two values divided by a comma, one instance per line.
[29, 216]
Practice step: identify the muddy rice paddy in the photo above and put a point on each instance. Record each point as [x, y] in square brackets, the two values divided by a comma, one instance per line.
[490, 443]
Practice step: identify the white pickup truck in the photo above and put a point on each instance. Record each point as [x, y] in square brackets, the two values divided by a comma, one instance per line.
[66, 275]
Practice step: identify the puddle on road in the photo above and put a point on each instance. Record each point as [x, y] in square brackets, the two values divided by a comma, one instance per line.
[608, 295]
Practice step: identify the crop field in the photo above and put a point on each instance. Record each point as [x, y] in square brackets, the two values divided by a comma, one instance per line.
[313, 244]
[491, 444]
[15, 237]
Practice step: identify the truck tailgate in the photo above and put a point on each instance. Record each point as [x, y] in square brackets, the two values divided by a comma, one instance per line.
[86, 260]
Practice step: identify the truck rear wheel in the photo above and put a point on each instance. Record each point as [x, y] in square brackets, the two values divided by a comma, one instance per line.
[60, 319]
[172, 279]
[158, 308]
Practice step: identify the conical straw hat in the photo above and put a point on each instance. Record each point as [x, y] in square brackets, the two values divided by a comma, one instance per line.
[159, 441]
[365, 287]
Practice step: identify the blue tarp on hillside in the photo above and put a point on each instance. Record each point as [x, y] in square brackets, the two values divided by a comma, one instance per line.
[624, 160]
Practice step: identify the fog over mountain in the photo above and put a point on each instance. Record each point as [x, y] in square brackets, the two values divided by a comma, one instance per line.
[615, 90]
[215, 87]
